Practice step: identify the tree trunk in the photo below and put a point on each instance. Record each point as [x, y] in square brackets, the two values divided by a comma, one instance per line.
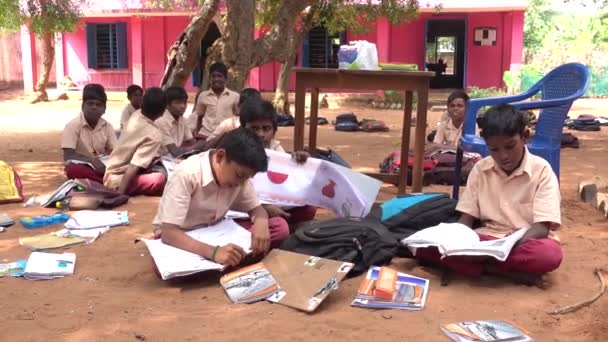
[237, 43]
[281, 95]
[48, 54]
[183, 52]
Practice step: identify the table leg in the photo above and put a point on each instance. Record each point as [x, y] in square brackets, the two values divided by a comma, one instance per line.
[420, 137]
[298, 129]
[314, 114]
[405, 141]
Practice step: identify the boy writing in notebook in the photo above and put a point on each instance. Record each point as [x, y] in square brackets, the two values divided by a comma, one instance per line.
[214, 105]
[233, 122]
[511, 189]
[135, 95]
[132, 168]
[88, 137]
[205, 186]
[177, 137]
[260, 116]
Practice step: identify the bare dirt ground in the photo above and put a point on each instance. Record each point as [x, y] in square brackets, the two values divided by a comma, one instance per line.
[115, 296]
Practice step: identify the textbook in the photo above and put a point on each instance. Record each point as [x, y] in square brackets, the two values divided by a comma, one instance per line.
[249, 284]
[486, 331]
[174, 262]
[385, 288]
[457, 239]
[43, 266]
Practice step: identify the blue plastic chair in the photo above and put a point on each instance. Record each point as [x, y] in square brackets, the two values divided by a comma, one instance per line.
[558, 90]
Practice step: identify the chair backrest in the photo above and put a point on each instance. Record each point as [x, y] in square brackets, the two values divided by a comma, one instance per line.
[566, 81]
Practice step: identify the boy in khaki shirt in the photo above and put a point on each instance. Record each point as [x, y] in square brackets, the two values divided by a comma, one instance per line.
[214, 105]
[233, 122]
[451, 123]
[507, 191]
[88, 137]
[133, 168]
[177, 137]
[135, 94]
[205, 186]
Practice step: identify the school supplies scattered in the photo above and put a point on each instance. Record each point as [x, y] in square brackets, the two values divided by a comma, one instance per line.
[305, 280]
[486, 331]
[13, 269]
[5, 220]
[318, 183]
[458, 239]
[89, 219]
[11, 188]
[31, 222]
[249, 284]
[385, 288]
[43, 266]
[174, 262]
[62, 238]
[51, 198]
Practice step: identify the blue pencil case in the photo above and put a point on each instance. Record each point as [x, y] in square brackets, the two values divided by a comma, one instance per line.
[31, 222]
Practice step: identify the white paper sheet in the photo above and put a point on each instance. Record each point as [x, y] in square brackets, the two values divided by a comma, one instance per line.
[41, 266]
[173, 262]
[89, 219]
[318, 183]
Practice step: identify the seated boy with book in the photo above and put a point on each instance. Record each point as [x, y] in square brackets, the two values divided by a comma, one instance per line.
[135, 95]
[177, 137]
[233, 122]
[133, 168]
[511, 189]
[205, 186]
[88, 137]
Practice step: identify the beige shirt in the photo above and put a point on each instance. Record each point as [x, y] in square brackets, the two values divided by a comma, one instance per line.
[126, 115]
[78, 135]
[192, 197]
[507, 203]
[174, 132]
[218, 109]
[226, 126]
[447, 133]
[138, 145]
[275, 145]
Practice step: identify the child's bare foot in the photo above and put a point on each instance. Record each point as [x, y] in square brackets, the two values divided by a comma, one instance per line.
[156, 235]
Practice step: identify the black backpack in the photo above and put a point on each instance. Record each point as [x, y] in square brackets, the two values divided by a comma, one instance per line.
[364, 242]
[285, 120]
[330, 156]
[346, 122]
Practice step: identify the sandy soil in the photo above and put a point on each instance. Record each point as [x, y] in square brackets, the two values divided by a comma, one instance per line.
[114, 295]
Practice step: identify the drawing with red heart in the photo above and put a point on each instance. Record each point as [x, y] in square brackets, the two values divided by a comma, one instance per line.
[329, 190]
[276, 177]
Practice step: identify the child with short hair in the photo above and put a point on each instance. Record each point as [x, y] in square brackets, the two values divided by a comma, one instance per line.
[132, 168]
[450, 126]
[260, 116]
[214, 105]
[205, 186]
[88, 137]
[177, 137]
[233, 122]
[507, 191]
[135, 95]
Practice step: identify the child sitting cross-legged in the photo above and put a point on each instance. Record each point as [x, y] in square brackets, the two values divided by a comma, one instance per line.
[509, 190]
[205, 186]
[135, 96]
[260, 116]
[177, 137]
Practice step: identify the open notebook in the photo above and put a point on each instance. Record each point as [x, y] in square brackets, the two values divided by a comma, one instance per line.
[174, 262]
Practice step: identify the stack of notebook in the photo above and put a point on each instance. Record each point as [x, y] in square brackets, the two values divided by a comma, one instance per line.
[44, 266]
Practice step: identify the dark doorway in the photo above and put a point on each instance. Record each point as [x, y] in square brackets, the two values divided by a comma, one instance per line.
[199, 72]
[320, 49]
[445, 52]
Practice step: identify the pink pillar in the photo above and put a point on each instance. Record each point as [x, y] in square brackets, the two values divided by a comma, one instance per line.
[59, 60]
[383, 36]
[28, 59]
[137, 50]
[517, 41]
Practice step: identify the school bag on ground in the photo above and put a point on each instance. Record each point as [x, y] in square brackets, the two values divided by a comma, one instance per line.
[364, 242]
[285, 120]
[405, 215]
[444, 171]
[346, 122]
[392, 164]
[11, 188]
[369, 125]
[330, 156]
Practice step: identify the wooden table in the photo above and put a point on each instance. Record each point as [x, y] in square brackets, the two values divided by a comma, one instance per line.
[407, 81]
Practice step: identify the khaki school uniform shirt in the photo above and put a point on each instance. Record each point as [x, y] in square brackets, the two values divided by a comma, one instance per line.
[507, 203]
[447, 133]
[193, 199]
[275, 145]
[78, 135]
[218, 109]
[138, 145]
[226, 126]
[126, 115]
[174, 131]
